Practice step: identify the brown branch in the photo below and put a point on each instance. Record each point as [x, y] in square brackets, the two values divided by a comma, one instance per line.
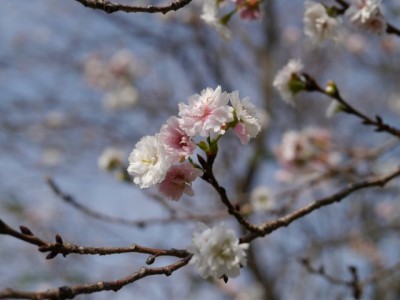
[69, 292]
[285, 221]
[59, 247]
[377, 122]
[354, 284]
[209, 177]
[111, 7]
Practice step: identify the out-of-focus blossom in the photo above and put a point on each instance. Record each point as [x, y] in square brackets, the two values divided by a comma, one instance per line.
[122, 64]
[394, 103]
[367, 15]
[248, 9]
[211, 16]
[306, 151]
[176, 142]
[291, 34]
[207, 113]
[288, 81]
[111, 158]
[318, 24]
[97, 73]
[248, 125]
[217, 252]
[262, 198]
[55, 119]
[178, 181]
[355, 43]
[51, 157]
[253, 292]
[148, 162]
[123, 98]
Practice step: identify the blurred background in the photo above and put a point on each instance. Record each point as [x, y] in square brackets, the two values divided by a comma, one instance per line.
[75, 81]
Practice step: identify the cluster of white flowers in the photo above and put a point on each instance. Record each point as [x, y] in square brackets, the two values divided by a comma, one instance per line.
[114, 77]
[322, 23]
[160, 159]
[305, 152]
[217, 252]
[318, 24]
[367, 15]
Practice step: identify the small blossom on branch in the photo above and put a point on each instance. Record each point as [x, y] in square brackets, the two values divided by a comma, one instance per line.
[249, 9]
[177, 143]
[178, 181]
[148, 162]
[306, 152]
[110, 159]
[318, 24]
[211, 16]
[207, 113]
[367, 15]
[248, 125]
[262, 199]
[217, 252]
[288, 81]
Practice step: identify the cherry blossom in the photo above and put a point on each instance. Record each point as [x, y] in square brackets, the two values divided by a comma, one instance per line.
[176, 142]
[367, 15]
[178, 181]
[206, 114]
[217, 252]
[288, 82]
[148, 162]
[248, 125]
[249, 9]
[318, 25]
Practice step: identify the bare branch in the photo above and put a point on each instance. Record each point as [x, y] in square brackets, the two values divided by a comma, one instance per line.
[60, 247]
[111, 7]
[377, 122]
[209, 177]
[69, 292]
[285, 221]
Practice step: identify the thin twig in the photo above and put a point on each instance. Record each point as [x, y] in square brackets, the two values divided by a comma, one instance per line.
[111, 7]
[377, 122]
[60, 247]
[285, 221]
[69, 292]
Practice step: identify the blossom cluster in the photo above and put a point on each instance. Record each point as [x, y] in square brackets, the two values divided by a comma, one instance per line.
[115, 78]
[164, 158]
[217, 252]
[323, 23]
[305, 152]
[212, 14]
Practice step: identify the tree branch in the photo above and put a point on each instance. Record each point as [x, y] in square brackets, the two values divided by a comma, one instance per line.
[59, 247]
[111, 7]
[377, 122]
[69, 292]
[285, 221]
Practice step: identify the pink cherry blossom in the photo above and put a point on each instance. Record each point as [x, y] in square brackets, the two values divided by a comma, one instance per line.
[249, 9]
[179, 181]
[206, 113]
[248, 125]
[177, 143]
